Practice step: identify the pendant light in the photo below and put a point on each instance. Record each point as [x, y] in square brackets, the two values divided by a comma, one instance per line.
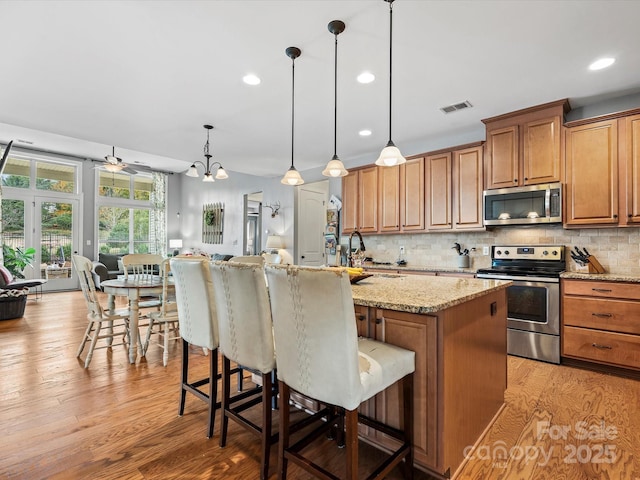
[292, 177]
[390, 154]
[335, 167]
[221, 174]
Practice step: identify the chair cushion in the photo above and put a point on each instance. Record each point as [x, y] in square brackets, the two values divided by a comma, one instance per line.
[382, 365]
[110, 261]
[7, 276]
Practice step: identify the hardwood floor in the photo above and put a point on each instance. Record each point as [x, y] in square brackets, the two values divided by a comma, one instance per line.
[119, 421]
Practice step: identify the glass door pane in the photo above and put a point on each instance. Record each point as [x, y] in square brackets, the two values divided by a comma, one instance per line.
[58, 239]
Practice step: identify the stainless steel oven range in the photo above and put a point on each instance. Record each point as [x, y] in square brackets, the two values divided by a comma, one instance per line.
[533, 301]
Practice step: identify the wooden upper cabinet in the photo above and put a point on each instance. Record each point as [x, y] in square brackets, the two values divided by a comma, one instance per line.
[525, 147]
[438, 199]
[350, 202]
[467, 169]
[630, 169]
[502, 152]
[541, 151]
[368, 199]
[389, 195]
[412, 198]
[454, 189]
[592, 173]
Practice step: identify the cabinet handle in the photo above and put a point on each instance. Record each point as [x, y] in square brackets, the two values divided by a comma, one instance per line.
[615, 216]
[630, 216]
[601, 290]
[602, 347]
[525, 179]
[605, 315]
[361, 317]
[378, 321]
[515, 180]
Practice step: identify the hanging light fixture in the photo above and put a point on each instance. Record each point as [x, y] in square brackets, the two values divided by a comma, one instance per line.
[221, 174]
[292, 177]
[390, 154]
[335, 167]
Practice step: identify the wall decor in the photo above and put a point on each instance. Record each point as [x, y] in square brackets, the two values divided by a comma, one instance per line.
[212, 222]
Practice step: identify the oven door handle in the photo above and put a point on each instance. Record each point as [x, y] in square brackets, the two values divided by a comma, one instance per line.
[489, 276]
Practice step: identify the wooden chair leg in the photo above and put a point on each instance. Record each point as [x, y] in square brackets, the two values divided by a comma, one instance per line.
[283, 442]
[87, 332]
[165, 354]
[351, 421]
[184, 375]
[407, 423]
[267, 392]
[213, 390]
[226, 393]
[94, 340]
[147, 339]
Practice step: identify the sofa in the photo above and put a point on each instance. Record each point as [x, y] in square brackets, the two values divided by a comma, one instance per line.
[107, 267]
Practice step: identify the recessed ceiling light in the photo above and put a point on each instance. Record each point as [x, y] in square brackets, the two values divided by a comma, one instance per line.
[251, 79]
[366, 77]
[602, 63]
[364, 133]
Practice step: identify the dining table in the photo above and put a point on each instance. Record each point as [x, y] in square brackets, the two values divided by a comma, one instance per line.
[134, 288]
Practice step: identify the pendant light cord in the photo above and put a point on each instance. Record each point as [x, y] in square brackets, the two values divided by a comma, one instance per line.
[390, 60]
[335, 100]
[293, 89]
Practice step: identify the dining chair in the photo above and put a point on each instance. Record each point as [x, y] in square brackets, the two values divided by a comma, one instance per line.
[166, 319]
[320, 356]
[103, 324]
[246, 338]
[143, 267]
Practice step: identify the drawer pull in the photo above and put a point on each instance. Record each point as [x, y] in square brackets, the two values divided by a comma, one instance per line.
[602, 290]
[361, 317]
[605, 315]
[602, 347]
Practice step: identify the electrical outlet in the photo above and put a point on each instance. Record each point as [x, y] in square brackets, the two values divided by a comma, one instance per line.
[402, 250]
[485, 250]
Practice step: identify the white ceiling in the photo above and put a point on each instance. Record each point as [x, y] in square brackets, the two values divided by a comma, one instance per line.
[146, 75]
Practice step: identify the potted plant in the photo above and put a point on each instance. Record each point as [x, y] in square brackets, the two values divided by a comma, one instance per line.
[16, 259]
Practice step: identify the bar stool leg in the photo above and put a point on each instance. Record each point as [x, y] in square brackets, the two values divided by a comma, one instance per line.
[351, 421]
[226, 393]
[407, 423]
[283, 441]
[267, 392]
[213, 389]
[183, 377]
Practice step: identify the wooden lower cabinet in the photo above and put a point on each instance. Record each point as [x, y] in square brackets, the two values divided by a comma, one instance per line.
[601, 322]
[459, 380]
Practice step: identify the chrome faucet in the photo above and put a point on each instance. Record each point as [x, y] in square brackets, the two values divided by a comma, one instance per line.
[362, 249]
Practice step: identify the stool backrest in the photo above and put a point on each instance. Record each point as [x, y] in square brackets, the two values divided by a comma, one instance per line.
[315, 332]
[244, 317]
[196, 302]
[259, 259]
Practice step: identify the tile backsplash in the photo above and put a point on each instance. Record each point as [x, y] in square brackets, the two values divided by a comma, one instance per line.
[617, 249]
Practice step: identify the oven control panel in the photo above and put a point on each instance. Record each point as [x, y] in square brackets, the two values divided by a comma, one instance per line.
[525, 252]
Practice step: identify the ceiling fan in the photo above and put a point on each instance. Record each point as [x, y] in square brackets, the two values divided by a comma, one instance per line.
[115, 164]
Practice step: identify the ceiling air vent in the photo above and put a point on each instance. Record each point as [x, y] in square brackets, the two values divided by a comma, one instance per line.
[456, 106]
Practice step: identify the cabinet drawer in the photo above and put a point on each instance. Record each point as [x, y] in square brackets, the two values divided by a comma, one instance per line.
[606, 347]
[612, 315]
[629, 291]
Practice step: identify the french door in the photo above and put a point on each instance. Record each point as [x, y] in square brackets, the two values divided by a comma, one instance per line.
[49, 224]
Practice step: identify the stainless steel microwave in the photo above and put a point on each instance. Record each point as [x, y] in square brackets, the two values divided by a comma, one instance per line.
[523, 205]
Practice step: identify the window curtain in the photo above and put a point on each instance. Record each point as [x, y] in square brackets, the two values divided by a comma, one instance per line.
[158, 216]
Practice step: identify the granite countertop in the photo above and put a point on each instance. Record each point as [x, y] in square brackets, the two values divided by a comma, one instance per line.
[418, 268]
[420, 294]
[601, 277]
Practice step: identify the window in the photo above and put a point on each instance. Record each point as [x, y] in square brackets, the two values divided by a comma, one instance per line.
[16, 173]
[125, 220]
[55, 177]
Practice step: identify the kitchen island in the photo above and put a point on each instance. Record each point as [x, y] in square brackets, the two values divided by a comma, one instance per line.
[458, 330]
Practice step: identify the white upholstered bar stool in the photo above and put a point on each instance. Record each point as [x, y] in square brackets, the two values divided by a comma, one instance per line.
[319, 355]
[246, 338]
[198, 326]
[258, 259]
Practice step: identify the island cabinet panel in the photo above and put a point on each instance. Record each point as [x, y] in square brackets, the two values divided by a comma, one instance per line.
[459, 380]
[601, 322]
[417, 333]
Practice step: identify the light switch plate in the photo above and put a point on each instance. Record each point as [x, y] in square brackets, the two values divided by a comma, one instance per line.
[485, 250]
[402, 250]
